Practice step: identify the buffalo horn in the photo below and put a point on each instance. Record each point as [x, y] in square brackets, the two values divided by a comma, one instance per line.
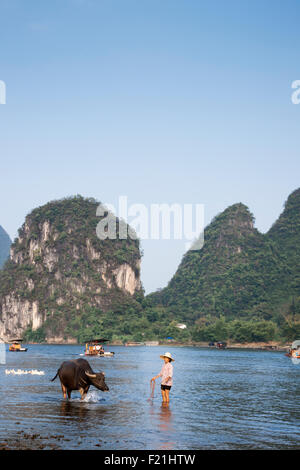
[93, 376]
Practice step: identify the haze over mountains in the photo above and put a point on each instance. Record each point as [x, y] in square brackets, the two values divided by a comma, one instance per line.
[5, 243]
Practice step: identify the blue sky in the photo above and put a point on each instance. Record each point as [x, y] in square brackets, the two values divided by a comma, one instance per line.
[163, 101]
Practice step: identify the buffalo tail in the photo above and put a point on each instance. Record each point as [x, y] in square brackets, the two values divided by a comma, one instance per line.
[52, 380]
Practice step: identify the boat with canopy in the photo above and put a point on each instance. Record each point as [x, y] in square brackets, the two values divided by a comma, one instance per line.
[294, 350]
[16, 345]
[95, 347]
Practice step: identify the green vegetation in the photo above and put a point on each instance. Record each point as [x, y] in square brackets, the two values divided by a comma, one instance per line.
[125, 324]
[36, 336]
[236, 331]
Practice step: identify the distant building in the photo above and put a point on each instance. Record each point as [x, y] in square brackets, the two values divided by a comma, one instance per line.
[182, 326]
[169, 339]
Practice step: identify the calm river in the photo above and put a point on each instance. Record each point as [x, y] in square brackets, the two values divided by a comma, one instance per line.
[230, 399]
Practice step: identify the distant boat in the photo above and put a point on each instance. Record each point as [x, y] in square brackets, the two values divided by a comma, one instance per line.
[294, 350]
[152, 343]
[134, 343]
[95, 348]
[221, 345]
[16, 346]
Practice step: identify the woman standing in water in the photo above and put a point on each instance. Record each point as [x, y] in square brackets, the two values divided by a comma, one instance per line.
[166, 375]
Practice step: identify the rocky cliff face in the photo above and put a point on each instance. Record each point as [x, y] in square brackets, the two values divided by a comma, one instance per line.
[58, 267]
[5, 243]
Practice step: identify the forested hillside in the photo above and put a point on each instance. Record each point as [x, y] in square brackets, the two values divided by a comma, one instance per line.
[239, 278]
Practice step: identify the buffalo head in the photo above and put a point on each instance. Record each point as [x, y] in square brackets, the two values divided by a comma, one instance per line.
[98, 380]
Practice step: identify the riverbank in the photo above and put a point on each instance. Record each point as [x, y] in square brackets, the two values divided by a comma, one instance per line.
[267, 346]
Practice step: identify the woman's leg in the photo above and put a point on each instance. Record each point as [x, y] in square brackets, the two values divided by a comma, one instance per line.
[163, 394]
[167, 395]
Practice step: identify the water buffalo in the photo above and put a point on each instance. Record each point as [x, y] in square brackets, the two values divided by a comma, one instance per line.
[78, 375]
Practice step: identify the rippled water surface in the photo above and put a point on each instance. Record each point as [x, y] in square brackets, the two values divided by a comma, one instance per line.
[231, 399]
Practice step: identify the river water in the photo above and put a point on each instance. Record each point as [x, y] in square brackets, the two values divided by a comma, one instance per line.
[221, 399]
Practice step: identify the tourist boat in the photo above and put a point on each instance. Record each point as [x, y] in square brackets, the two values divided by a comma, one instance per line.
[296, 354]
[16, 346]
[95, 348]
[294, 350]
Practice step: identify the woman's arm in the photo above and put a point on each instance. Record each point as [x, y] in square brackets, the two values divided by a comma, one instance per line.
[156, 377]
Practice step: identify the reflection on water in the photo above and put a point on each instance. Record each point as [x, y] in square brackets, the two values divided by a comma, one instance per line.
[165, 426]
[295, 361]
[65, 408]
[237, 400]
[165, 416]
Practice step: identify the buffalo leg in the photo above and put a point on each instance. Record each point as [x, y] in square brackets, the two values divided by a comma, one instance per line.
[83, 393]
[64, 390]
[69, 393]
